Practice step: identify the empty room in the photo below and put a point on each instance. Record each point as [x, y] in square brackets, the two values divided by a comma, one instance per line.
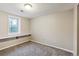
[38, 29]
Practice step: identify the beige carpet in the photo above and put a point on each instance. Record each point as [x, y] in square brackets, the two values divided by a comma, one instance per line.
[33, 49]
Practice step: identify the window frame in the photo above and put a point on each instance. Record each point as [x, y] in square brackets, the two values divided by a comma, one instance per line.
[19, 25]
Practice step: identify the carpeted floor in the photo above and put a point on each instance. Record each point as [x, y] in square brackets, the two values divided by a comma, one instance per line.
[33, 49]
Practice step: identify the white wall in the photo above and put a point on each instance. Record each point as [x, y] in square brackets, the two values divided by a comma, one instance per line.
[54, 30]
[4, 24]
[75, 31]
[25, 29]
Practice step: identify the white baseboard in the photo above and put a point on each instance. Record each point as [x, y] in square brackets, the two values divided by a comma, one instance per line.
[63, 49]
[11, 43]
[54, 46]
[4, 47]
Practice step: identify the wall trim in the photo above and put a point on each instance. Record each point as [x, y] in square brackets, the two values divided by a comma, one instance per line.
[12, 44]
[54, 46]
[63, 49]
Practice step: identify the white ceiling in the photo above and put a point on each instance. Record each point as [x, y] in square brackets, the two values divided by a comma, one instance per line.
[38, 9]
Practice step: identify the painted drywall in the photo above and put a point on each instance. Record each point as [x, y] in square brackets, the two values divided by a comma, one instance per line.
[4, 24]
[75, 30]
[54, 30]
[13, 42]
[25, 29]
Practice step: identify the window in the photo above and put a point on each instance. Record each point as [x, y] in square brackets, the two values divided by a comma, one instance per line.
[14, 24]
